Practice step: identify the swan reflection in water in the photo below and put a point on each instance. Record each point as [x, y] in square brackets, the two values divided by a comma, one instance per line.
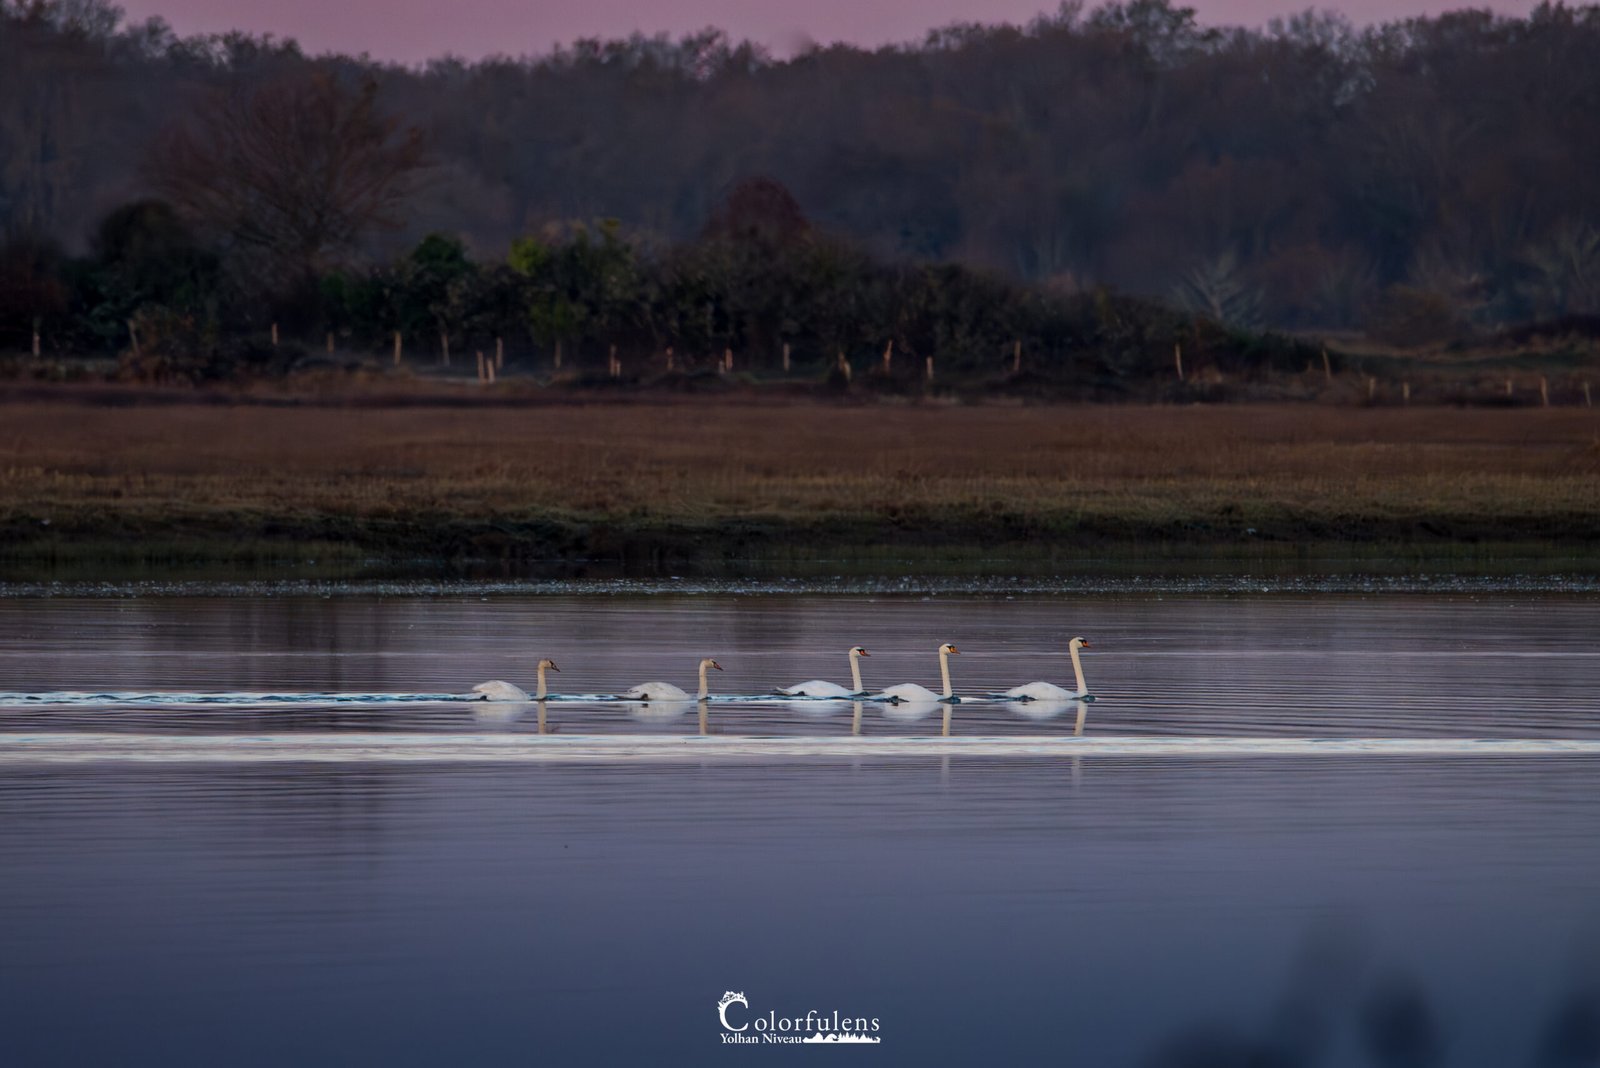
[660, 711]
[499, 713]
[505, 713]
[665, 711]
[815, 709]
[1041, 711]
[911, 711]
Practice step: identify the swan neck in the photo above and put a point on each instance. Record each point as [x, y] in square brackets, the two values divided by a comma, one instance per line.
[541, 694]
[705, 688]
[944, 670]
[855, 671]
[1077, 669]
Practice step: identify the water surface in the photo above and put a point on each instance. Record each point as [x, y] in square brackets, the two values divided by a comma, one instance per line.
[1099, 910]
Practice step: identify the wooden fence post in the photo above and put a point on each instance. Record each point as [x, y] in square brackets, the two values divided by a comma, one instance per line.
[397, 348]
[1544, 390]
[1016, 356]
[888, 356]
[785, 357]
[1327, 366]
[480, 365]
[274, 335]
[1177, 359]
[36, 345]
[927, 370]
[499, 353]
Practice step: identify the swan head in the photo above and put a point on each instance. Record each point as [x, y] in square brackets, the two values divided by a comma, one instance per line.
[1078, 643]
[948, 649]
[551, 664]
[859, 650]
[709, 663]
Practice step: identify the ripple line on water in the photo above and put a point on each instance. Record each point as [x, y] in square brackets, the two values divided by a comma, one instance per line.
[84, 748]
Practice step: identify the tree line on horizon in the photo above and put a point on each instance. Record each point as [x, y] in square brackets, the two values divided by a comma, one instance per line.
[1420, 181]
[759, 290]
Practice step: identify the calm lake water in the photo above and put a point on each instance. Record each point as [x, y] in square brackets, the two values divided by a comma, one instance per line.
[1087, 910]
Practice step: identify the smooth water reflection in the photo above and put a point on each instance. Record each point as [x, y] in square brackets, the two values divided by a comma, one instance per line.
[985, 911]
[1407, 665]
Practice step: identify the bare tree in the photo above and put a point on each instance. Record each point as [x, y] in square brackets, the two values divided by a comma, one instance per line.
[1217, 287]
[291, 174]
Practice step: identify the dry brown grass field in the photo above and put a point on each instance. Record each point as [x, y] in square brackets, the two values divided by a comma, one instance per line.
[576, 479]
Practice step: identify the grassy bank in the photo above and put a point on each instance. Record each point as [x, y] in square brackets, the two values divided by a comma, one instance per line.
[659, 484]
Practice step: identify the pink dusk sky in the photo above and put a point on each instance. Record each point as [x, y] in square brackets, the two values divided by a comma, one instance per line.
[410, 31]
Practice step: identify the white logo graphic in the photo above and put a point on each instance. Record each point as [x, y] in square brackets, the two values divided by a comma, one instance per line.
[813, 1028]
[722, 1009]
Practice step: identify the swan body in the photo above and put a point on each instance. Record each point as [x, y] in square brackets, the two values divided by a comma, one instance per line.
[907, 692]
[501, 691]
[822, 688]
[497, 690]
[665, 691]
[818, 688]
[1041, 691]
[1049, 691]
[656, 691]
[912, 693]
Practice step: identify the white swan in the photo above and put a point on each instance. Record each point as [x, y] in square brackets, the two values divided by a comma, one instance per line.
[820, 688]
[912, 693]
[505, 691]
[1049, 691]
[665, 691]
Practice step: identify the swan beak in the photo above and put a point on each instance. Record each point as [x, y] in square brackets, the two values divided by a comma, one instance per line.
[716, 665]
[865, 653]
[954, 651]
[554, 668]
[1083, 643]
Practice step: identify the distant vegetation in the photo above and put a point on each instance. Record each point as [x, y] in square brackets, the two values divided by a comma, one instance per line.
[1087, 201]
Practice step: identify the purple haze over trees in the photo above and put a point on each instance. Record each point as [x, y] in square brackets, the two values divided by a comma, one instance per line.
[412, 31]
